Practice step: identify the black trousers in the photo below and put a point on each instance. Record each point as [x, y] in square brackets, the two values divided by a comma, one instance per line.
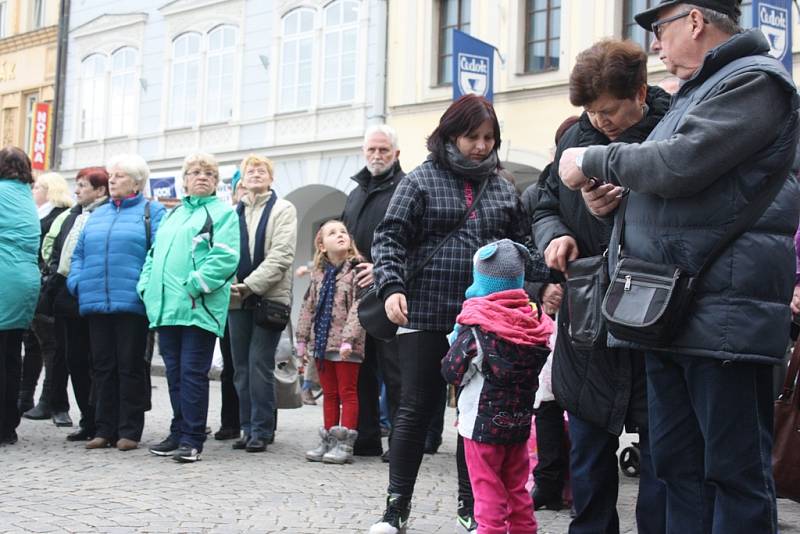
[552, 449]
[40, 348]
[389, 368]
[10, 351]
[229, 414]
[74, 335]
[118, 344]
[421, 387]
[369, 413]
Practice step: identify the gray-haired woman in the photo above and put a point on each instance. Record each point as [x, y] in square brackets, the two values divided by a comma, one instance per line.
[105, 269]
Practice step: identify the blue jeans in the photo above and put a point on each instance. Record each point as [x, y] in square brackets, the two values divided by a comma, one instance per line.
[253, 351]
[711, 428]
[187, 352]
[595, 482]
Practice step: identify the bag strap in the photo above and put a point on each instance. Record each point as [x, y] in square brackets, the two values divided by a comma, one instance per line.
[746, 219]
[455, 229]
[147, 228]
[791, 375]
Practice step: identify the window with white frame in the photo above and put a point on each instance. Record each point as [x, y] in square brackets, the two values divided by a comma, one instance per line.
[186, 62]
[3, 18]
[296, 59]
[92, 97]
[220, 73]
[39, 14]
[341, 34]
[122, 97]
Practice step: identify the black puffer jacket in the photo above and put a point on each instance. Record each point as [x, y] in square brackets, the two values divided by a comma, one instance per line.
[604, 387]
[367, 203]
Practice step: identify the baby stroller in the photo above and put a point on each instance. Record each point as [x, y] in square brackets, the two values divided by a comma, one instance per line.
[629, 459]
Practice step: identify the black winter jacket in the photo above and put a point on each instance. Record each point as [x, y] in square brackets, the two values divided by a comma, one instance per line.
[605, 386]
[367, 203]
[730, 128]
[54, 288]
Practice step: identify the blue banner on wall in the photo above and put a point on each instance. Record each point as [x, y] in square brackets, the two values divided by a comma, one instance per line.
[774, 18]
[163, 187]
[472, 66]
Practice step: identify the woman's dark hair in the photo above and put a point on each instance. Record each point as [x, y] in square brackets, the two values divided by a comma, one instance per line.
[462, 117]
[96, 176]
[15, 165]
[613, 67]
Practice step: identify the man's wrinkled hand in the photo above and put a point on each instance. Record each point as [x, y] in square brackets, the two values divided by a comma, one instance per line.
[603, 199]
[364, 276]
[568, 170]
[551, 298]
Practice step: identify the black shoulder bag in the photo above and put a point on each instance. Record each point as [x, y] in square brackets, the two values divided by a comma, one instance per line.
[647, 302]
[371, 311]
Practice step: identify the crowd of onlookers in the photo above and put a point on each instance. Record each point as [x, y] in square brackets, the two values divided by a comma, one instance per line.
[475, 284]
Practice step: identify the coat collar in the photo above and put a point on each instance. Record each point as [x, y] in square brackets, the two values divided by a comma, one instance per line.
[363, 177]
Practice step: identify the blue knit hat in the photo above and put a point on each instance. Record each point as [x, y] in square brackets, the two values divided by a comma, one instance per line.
[235, 181]
[498, 266]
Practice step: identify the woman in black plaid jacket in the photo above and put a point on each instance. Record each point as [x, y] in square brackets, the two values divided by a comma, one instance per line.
[427, 204]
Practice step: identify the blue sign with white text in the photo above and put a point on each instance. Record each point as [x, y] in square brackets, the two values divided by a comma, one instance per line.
[774, 19]
[472, 66]
[163, 187]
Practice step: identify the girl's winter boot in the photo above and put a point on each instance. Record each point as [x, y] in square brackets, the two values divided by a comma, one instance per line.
[315, 455]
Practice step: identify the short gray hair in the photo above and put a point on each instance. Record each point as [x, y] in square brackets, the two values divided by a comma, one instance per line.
[721, 21]
[384, 129]
[203, 159]
[133, 165]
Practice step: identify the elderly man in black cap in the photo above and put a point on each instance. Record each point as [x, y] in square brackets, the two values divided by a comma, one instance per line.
[725, 146]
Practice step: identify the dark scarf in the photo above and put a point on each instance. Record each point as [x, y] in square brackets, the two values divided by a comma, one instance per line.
[324, 313]
[247, 264]
[465, 167]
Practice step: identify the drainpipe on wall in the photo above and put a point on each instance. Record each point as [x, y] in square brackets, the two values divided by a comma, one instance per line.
[379, 108]
[61, 81]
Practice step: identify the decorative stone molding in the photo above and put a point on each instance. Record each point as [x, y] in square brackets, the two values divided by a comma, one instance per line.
[201, 15]
[108, 33]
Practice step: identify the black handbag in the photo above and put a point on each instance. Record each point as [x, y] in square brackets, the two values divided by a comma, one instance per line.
[648, 302]
[271, 315]
[587, 281]
[371, 310]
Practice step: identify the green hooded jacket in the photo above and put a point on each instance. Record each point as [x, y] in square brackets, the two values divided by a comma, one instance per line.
[186, 279]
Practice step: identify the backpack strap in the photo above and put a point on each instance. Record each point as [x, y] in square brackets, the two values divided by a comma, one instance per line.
[147, 228]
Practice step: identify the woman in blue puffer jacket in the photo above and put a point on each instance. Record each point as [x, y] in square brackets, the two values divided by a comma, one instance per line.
[106, 265]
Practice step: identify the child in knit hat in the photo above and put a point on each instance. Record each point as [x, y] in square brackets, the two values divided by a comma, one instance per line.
[500, 345]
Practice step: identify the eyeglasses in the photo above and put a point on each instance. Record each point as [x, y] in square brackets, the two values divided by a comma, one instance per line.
[207, 174]
[656, 26]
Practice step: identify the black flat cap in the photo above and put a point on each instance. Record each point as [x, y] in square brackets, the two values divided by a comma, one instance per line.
[646, 18]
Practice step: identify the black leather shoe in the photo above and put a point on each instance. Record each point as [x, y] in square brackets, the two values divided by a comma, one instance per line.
[256, 445]
[38, 412]
[62, 419]
[227, 433]
[241, 443]
[545, 500]
[81, 435]
[432, 444]
[25, 402]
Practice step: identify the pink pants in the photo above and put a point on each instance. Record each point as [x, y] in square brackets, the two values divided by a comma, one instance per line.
[498, 474]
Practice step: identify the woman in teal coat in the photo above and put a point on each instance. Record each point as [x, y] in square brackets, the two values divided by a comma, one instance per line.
[19, 271]
[185, 285]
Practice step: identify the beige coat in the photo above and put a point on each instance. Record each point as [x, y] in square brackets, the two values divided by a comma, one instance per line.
[273, 278]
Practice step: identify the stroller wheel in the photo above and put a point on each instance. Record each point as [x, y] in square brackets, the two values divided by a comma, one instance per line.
[629, 460]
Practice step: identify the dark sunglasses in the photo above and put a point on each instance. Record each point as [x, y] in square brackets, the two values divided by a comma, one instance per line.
[656, 26]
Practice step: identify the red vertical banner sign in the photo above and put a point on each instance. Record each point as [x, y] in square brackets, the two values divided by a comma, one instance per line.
[40, 140]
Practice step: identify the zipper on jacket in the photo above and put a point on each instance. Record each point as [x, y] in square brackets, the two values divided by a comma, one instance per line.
[108, 239]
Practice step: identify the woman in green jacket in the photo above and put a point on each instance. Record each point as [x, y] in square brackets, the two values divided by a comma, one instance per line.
[185, 286]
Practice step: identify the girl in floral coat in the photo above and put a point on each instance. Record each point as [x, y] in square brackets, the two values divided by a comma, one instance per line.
[329, 331]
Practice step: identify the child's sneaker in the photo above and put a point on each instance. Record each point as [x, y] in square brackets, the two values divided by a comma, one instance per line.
[465, 518]
[395, 518]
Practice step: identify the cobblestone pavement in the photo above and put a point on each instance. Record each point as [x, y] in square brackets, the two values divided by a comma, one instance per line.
[51, 485]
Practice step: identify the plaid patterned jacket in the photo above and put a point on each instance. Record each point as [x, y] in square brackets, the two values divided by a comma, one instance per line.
[426, 206]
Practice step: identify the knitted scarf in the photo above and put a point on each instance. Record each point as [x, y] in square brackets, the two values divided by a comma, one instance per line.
[247, 264]
[323, 315]
[509, 315]
[466, 168]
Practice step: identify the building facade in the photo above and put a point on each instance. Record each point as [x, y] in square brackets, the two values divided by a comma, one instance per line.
[536, 41]
[296, 80]
[28, 57]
